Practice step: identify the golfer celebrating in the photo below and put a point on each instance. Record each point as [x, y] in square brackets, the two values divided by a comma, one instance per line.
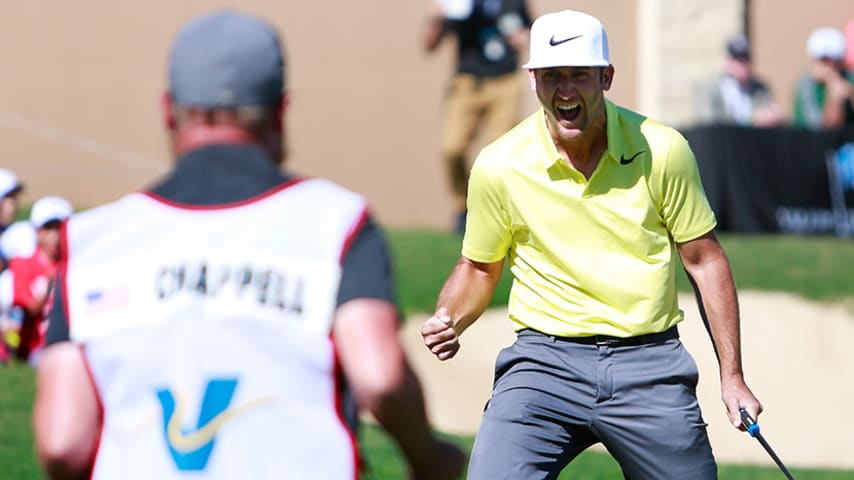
[590, 203]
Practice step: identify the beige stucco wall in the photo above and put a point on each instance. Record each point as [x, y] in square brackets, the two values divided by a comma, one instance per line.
[80, 86]
[681, 43]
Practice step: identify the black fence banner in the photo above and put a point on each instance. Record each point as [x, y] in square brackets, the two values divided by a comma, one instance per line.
[777, 180]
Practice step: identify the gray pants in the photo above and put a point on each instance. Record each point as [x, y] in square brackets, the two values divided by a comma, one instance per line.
[553, 398]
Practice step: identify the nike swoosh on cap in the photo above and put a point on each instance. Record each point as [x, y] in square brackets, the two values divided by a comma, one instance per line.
[555, 43]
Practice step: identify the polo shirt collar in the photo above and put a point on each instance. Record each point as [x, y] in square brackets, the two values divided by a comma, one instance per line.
[614, 129]
[552, 156]
[625, 133]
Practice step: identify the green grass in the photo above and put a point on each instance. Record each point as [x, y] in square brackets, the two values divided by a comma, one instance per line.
[17, 456]
[383, 462]
[817, 268]
[422, 261]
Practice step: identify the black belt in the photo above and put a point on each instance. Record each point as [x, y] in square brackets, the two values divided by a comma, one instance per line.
[649, 338]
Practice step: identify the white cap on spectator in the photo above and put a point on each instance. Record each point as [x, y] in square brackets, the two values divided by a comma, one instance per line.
[8, 182]
[826, 42]
[456, 9]
[48, 209]
[18, 240]
[568, 39]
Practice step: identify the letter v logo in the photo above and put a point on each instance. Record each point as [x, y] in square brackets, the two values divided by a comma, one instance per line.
[192, 449]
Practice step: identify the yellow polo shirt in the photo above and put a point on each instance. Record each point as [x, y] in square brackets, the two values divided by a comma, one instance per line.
[590, 257]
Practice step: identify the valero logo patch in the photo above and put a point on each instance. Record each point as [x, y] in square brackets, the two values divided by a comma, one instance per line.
[191, 449]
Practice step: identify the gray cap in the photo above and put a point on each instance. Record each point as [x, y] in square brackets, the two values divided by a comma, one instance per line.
[225, 59]
[738, 47]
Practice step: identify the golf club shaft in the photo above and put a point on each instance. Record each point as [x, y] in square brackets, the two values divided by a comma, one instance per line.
[773, 455]
[753, 429]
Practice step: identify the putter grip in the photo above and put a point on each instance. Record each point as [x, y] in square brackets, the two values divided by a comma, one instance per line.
[748, 422]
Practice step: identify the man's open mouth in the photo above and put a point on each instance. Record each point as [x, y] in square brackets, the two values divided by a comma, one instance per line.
[569, 112]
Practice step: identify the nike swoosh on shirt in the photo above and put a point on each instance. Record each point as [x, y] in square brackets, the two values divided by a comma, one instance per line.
[555, 43]
[626, 161]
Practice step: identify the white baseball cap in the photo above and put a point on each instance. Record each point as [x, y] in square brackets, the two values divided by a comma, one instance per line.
[18, 240]
[8, 182]
[456, 9]
[568, 39]
[826, 42]
[48, 209]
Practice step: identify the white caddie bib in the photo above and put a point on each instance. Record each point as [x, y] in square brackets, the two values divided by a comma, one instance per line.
[208, 333]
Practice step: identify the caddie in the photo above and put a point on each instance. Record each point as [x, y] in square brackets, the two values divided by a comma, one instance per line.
[212, 326]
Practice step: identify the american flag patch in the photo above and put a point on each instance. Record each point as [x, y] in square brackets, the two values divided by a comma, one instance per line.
[103, 299]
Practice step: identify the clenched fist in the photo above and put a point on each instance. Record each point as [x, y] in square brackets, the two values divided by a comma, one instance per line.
[439, 335]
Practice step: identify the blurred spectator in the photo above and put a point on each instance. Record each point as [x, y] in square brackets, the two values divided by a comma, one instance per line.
[484, 93]
[31, 278]
[823, 97]
[736, 95]
[10, 187]
[8, 326]
[11, 317]
[849, 46]
[18, 240]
